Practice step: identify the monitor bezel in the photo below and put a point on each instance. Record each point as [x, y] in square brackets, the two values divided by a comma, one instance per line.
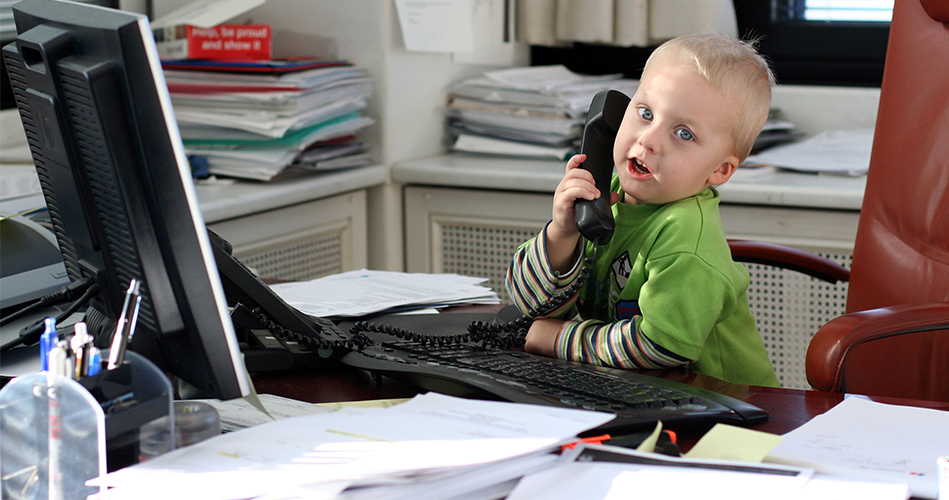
[192, 336]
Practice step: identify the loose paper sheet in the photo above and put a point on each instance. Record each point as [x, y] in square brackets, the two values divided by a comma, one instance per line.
[864, 439]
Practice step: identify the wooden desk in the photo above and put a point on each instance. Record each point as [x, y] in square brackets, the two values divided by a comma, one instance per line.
[788, 408]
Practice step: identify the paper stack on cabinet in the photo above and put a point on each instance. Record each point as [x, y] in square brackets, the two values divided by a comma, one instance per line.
[260, 120]
[535, 111]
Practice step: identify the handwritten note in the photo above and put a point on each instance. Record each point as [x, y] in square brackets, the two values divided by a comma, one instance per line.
[437, 25]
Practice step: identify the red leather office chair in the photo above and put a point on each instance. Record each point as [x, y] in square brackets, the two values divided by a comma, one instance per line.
[894, 338]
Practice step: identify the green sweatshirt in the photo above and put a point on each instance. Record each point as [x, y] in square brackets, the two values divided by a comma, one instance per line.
[663, 292]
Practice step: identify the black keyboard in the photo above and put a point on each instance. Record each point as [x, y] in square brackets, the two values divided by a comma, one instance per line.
[472, 371]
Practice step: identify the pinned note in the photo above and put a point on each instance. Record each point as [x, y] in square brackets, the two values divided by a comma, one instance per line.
[437, 26]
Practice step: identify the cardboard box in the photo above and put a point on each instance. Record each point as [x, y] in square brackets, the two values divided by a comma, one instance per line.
[198, 31]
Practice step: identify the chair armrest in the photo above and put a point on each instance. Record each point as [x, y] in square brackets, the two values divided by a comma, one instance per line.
[784, 257]
[832, 343]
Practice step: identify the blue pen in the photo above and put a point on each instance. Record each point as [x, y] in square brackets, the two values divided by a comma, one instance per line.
[95, 363]
[48, 341]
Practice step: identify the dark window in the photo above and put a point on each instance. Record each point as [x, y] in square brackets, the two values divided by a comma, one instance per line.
[805, 49]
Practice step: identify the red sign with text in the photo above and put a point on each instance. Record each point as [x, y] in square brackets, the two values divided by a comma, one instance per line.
[222, 42]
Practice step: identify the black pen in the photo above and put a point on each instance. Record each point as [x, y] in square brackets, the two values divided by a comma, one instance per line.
[122, 332]
[119, 403]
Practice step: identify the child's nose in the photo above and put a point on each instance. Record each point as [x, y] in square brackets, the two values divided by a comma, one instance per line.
[649, 140]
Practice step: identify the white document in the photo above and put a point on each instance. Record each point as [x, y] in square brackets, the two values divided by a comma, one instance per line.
[863, 439]
[539, 78]
[478, 144]
[437, 25]
[845, 152]
[238, 414]
[362, 292]
[569, 480]
[332, 450]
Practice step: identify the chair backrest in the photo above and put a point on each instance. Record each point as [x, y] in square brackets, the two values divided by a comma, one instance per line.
[901, 253]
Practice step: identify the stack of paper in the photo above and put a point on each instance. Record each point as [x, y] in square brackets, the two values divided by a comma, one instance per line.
[364, 292]
[534, 111]
[775, 131]
[432, 446]
[257, 120]
[840, 152]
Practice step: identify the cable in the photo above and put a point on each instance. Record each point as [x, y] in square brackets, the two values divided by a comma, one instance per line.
[68, 292]
[33, 333]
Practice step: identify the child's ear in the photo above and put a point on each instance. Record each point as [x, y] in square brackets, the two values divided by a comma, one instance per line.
[724, 171]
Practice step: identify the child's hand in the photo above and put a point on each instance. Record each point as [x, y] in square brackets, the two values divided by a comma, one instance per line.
[542, 337]
[577, 183]
[562, 233]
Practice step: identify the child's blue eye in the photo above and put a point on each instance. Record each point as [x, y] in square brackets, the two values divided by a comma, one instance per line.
[684, 134]
[645, 114]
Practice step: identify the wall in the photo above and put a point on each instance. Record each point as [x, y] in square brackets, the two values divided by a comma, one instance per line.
[814, 108]
[409, 91]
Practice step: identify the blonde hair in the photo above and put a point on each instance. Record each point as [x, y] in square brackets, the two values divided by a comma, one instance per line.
[734, 68]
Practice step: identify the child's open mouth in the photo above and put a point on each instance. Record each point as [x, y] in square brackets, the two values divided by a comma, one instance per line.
[639, 167]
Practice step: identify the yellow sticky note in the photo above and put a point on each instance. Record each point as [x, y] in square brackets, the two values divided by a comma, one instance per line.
[727, 442]
[649, 444]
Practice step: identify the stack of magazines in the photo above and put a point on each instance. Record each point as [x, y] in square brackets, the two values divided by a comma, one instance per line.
[263, 119]
[535, 111]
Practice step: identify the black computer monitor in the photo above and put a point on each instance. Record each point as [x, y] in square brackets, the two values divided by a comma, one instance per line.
[98, 117]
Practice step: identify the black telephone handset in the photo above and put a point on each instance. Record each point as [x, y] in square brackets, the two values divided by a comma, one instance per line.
[595, 218]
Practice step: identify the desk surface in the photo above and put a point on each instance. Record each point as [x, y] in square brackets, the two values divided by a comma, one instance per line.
[788, 408]
[221, 201]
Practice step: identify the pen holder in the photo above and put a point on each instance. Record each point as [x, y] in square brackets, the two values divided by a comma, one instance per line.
[132, 395]
[57, 433]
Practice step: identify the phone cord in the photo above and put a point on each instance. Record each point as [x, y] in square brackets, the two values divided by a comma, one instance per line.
[311, 341]
[500, 335]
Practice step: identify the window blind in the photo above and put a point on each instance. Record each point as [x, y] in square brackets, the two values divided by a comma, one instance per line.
[835, 10]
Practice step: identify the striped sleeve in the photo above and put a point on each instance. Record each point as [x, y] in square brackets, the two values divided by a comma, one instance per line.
[531, 282]
[618, 345]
